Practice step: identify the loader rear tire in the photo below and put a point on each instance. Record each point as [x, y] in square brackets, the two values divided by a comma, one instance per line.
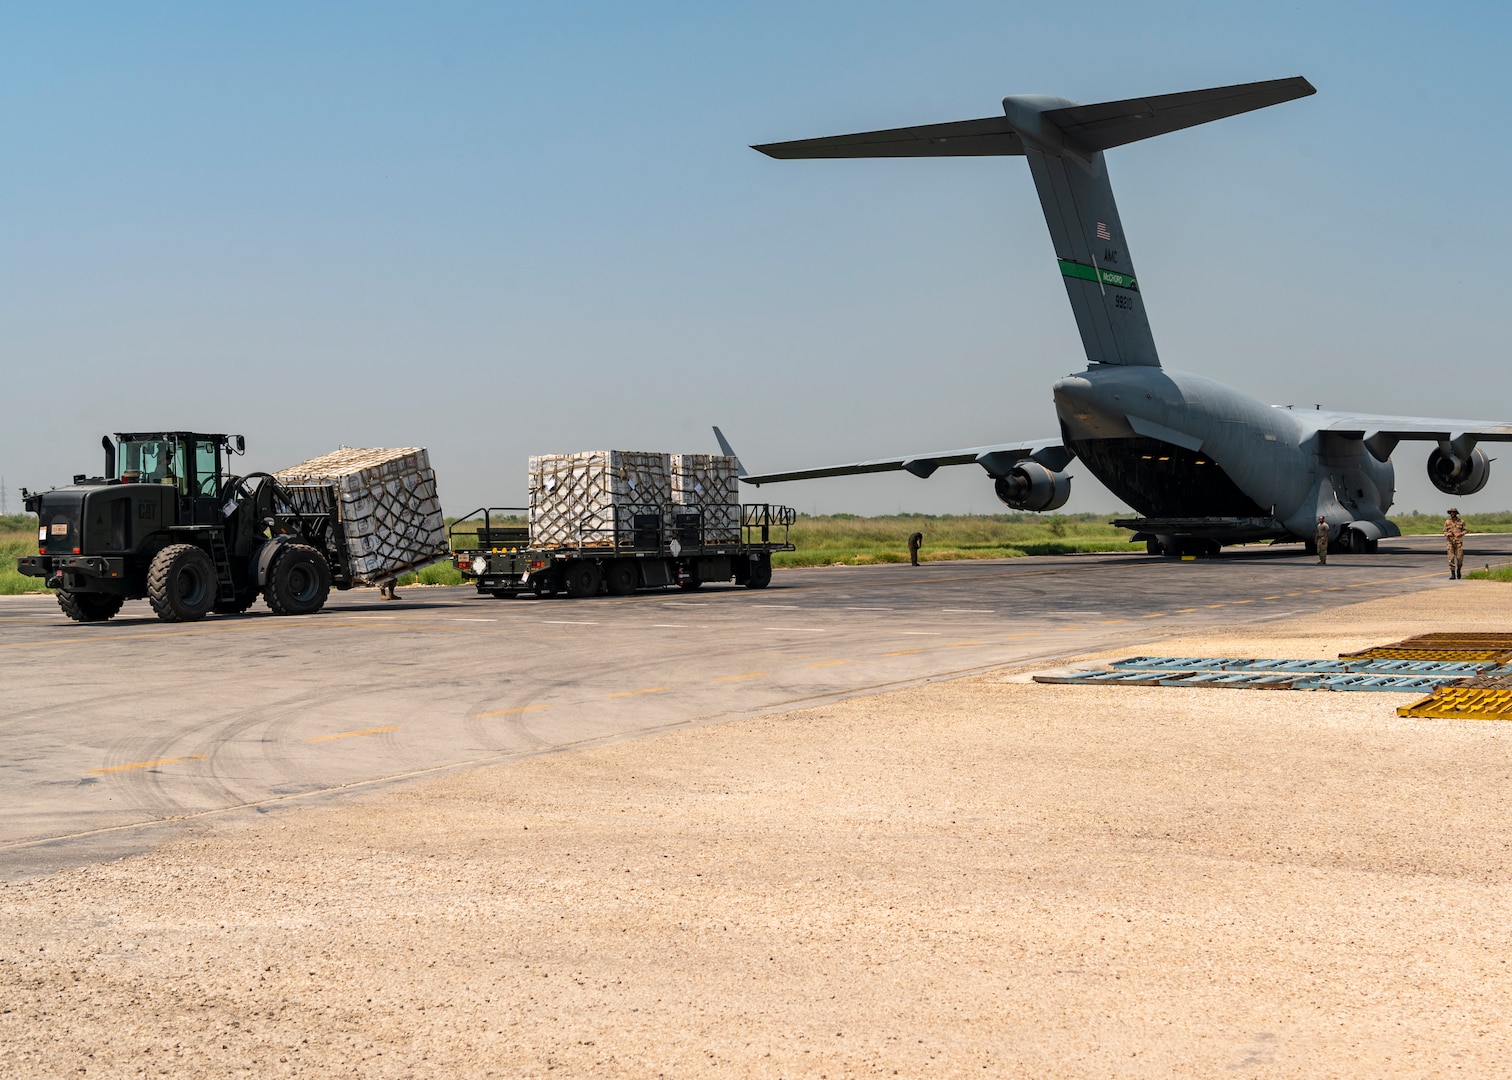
[89, 607]
[181, 583]
[298, 581]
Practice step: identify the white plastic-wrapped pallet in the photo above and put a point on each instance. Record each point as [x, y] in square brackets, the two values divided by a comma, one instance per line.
[708, 483]
[389, 510]
[591, 499]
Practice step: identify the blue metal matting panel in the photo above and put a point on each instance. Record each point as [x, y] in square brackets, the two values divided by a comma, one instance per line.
[1389, 677]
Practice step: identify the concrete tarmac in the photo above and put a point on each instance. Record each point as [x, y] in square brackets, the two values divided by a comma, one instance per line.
[115, 734]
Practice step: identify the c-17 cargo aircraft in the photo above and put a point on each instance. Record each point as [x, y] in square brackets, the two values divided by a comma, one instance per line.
[1203, 464]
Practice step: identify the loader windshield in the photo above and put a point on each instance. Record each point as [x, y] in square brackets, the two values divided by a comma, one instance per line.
[148, 461]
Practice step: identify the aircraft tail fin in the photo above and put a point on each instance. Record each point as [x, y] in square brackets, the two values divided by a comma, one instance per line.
[1064, 142]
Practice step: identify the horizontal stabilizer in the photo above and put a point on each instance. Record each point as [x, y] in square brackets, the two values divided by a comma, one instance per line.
[1087, 127]
[1115, 123]
[963, 138]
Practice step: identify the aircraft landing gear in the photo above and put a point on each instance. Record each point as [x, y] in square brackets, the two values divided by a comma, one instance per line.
[1175, 547]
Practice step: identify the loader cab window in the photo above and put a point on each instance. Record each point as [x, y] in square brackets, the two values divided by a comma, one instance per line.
[206, 467]
[148, 461]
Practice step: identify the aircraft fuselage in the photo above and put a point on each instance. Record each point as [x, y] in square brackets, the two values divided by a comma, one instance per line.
[1178, 446]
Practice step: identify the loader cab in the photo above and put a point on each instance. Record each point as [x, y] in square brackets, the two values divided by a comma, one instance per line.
[193, 464]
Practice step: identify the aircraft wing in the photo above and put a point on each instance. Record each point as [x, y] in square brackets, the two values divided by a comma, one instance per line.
[997, 460]
[1382, 433]
[1414, 428]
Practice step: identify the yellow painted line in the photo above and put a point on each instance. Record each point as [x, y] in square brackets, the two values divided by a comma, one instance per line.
[353, 734]
[829, 663]
[1243, 601]
[1154, 615]
[1270, 598]
[1078, 627]
[1293, 594]
[511, 712]
[1334, 588]
[1184, 610]
[958, 644]
[647, 690]
[736, 678]
[149, 764]
[1030, 633]
[905, 652]
[1214, 605]
[1110, 622]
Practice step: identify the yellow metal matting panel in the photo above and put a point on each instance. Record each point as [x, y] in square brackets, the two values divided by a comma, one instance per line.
[1394, 652]
[1487, 647]
[1463, 703]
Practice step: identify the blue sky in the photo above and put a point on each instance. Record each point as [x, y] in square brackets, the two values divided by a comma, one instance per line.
[496, 230]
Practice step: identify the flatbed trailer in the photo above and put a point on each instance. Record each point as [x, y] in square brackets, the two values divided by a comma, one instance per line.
[645, 547]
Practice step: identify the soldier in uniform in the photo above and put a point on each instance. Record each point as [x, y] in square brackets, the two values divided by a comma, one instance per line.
[386, 589]
[1454, 540]
[915, 541]
[1320, 539]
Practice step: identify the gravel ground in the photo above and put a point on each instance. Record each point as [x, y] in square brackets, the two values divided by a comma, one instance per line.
[985, 877]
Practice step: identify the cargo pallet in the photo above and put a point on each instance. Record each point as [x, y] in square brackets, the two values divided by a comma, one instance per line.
[643, 547]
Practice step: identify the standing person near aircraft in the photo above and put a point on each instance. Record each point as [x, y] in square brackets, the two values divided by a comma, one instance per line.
[1201, 463]
[915, 541]
[1454, 540]
[1320, 539]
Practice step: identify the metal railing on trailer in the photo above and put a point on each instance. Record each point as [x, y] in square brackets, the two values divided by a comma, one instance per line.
[760, 519]
[490, 536]
[679, 531]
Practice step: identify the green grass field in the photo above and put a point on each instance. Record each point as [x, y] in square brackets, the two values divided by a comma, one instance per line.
[857, 541]
[18, 537]
[847, 539]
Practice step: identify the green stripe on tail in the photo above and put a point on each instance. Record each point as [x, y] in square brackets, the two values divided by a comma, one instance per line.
[1092, 273]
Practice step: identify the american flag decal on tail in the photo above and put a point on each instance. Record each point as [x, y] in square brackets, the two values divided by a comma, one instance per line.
[1102, 231]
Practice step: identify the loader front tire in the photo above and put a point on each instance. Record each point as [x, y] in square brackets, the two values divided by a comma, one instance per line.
[181, 583]
[298, 581]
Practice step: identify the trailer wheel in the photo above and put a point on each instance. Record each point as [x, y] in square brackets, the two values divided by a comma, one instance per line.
[759, 575]
[622, 577]
[298, 581]
[181, 583]
[89, 607]
[583, 579]
[543, 585]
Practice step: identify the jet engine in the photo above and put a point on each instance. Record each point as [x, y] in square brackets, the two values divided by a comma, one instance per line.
[1031, 486]
[1455, 475]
